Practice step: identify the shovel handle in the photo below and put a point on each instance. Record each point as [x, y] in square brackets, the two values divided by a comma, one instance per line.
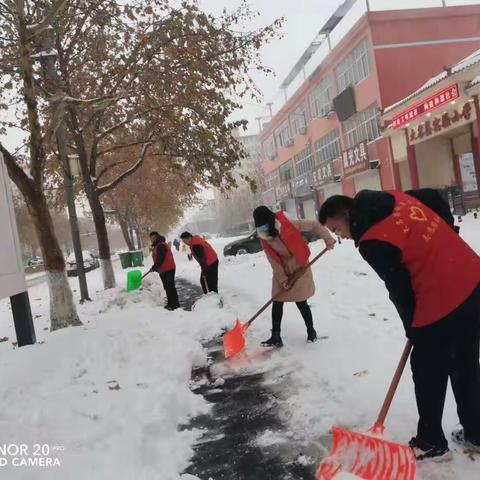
[394, 384]
[279, 294]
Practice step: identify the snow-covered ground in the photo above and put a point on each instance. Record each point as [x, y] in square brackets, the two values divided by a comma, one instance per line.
[108, 397]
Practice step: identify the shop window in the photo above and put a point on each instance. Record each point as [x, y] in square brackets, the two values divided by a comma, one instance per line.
[363, 126]
[321, 99]
[354, 67]
[304, 162]
[328, 147]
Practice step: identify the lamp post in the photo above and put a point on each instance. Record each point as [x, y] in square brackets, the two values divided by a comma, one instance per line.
[48, 63]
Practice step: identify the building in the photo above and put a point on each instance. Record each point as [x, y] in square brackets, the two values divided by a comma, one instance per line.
[327, 139]
[434, 133]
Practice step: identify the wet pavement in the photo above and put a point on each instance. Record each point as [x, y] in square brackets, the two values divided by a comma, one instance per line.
[245, 434]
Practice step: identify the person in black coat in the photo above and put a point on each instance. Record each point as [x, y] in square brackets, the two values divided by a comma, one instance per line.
[408, 246]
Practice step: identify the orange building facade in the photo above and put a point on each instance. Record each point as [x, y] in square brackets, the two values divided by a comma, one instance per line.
[327, 138]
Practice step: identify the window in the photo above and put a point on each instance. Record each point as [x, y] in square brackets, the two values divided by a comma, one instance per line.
[282, 134]
[286, 171]
[269, 147]
[328, 147]
[304, 162]
[355, 67]
[299, 120]
[321, 99]
[273, 179]
[362, 126]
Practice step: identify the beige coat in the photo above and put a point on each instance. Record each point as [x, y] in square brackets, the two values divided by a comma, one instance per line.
[304, 288]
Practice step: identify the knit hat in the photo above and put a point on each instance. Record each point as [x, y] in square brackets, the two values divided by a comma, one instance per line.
[263, 215]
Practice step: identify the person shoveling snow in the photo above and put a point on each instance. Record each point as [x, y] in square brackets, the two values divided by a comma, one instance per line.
[288, 253]
[164, 264]
[433, 278]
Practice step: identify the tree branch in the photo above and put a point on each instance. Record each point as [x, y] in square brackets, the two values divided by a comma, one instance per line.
[45, 23]
[109, 186]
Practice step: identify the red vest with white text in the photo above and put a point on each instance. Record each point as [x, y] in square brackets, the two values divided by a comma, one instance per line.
[443, 269]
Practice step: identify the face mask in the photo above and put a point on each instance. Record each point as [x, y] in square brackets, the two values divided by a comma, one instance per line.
[263, 232]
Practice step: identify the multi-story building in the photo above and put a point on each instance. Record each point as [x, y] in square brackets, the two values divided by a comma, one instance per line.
[326, 139]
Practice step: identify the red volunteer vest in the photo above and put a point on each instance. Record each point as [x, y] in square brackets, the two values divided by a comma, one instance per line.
[168, 262]
[443, 269]
[293, 240]
[210, 254]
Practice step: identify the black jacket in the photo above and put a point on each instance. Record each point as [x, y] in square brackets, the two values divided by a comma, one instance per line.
[369, 208]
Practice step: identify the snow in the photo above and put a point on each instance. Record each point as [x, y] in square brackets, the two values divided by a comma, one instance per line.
[115, 392]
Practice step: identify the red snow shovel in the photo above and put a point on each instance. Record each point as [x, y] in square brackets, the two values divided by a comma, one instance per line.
[234, 340]
[367, 455]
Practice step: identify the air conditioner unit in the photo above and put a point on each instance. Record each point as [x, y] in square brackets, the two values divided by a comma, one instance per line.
[302, 131]
[337, 178]
[374, 164]
[289, 142]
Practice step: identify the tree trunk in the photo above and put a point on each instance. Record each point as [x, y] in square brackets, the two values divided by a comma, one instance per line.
[139, 238]
[63, 312]
[103, 242]
[125, 231]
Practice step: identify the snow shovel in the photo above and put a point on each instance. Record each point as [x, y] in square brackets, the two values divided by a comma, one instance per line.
[367, 455]
[134, 279]
[220, 298]
[234, 340]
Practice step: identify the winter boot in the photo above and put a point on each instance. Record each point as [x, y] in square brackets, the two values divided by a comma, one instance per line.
[424, 450]
[311, 335]
[458, 436]
[274, 341]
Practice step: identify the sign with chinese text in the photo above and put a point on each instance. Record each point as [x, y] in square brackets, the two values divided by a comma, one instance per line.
[431, 103]
[322, 174]
[355, 159]
[442, 123]
[301, 185]
[283, 191]
[269, 198]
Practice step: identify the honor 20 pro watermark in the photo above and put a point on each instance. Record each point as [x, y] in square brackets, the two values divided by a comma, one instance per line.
[30, 456]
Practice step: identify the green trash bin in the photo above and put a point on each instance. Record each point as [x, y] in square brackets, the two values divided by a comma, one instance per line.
[137, 258]
[126, 259]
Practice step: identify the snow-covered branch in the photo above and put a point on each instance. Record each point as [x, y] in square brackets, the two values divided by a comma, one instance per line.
[45, 23]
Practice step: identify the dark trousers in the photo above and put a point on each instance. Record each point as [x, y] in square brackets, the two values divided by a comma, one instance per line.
[277, 314]
[448, 349]
[209, 278]
[168, 280]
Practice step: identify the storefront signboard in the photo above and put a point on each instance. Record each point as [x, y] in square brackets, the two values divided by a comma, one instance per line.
[442, 123]
[301, 185]
[283, 191]
[269, 198]
[355, 159]
[322, 174]
[467, 170]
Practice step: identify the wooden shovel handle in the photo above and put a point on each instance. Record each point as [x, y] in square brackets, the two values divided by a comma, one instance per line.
[394, 384]
[303, 270]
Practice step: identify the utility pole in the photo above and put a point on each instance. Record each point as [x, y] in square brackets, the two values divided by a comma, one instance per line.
[47, 60]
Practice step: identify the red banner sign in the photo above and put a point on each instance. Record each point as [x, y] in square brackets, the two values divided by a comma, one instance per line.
[446, 95]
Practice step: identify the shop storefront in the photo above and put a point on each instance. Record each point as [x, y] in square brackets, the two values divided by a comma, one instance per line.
[285, 201]
[304, 195]
[434, 136]
[269, 198]
[358, 166]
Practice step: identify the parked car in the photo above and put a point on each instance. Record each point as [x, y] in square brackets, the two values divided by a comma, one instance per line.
[90, 262]
[251, 244]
